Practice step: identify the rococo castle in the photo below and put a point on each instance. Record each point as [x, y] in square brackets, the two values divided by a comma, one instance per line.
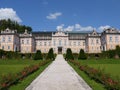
[89, 41]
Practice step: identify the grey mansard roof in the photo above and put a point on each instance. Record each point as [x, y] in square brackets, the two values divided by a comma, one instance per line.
[72, 35]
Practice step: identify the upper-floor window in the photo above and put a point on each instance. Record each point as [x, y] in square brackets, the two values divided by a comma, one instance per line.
[9, 39]
[78, 43]
[116, 39]
[92, 42]
[49, 43]
[45, 43]
[3, 39]
[83, 43]
[3, 47]
[54, 42]
[74, 43]
[110, 38]
[8, 47]
[22, 41]
[40, 43]
[97, 41]
[27, 41]
[65, 42]
[60, 43]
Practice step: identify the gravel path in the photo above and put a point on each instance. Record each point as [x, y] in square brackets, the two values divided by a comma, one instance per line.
[58, 76]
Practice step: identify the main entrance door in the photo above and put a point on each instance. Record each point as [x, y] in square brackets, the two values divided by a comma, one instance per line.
[59, 50]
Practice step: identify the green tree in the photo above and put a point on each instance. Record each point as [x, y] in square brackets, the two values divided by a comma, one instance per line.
[69, 55]
[50, 54]
[82, 55]
[38, 55]
[13, 26]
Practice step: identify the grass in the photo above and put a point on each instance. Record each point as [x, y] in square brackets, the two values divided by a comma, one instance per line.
[14, 66]
[94, 85]
[109, 66]
[24, 83]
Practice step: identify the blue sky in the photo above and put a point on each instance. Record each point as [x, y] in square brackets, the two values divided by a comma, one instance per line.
[65, 14]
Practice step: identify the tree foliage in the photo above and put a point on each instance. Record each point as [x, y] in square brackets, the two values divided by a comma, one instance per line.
[38, 55]
[13, 26]
[50, 54]
[82, 55]
[69, 55]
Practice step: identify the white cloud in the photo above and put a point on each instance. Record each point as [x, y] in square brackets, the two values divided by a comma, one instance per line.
[101, 28]
[9, 13]
[54, 15]
[60, 27]
[76, 27]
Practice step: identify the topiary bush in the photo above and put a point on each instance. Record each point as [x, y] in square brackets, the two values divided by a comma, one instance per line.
[69, 55]
[82, 55]
[38, 55]
[50, 54]
[1, 53]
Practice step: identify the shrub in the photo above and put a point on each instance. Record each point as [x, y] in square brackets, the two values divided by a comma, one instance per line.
[1, 53]
[69, 55]
[38, 55]
[82, 55]
[50, 54]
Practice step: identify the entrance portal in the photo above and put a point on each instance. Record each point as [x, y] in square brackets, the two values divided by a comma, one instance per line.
[59, 50]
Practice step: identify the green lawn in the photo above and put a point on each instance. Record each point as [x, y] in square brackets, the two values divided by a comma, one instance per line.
[25, 82]
[14, 66]
[111, 66]
[94, 85]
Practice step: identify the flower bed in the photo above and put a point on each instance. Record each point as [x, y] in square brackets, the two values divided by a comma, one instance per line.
[10, 79]
[99, 76]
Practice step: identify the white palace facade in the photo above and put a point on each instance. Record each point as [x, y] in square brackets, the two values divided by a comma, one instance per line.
[89, 41]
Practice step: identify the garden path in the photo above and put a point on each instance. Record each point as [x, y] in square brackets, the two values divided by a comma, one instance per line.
[58, 76]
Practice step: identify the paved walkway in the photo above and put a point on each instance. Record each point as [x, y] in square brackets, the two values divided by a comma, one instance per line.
[58, 76]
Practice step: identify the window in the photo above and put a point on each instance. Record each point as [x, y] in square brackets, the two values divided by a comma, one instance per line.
[54, 42]
[40, 43]
[3, 39]
[2, 47]
[60, 43]
[65, 43]
[27, 41]
[9, 39]
[45, 43]
[116, 39]
[110, 39]
[92, 41]
[8, 47]
[22, 41]
[78, 43]
[83, 43]
[97, 41]
[49, 43]
[74, 43]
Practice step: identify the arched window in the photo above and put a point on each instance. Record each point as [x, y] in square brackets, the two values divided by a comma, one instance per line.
[60, 43]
